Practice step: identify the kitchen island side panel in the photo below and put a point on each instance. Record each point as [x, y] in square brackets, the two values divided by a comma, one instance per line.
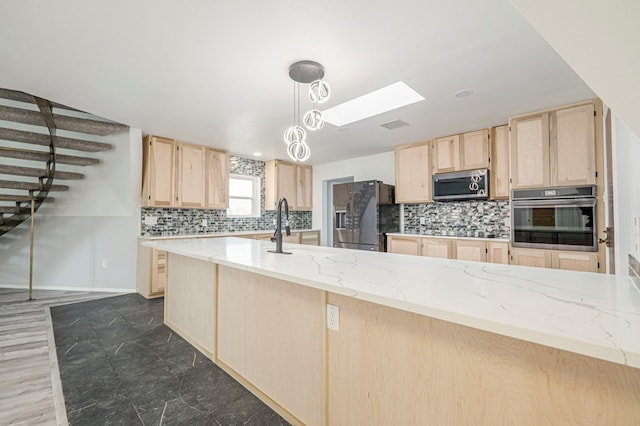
[389, 366]
[272, 333]
[190, 301]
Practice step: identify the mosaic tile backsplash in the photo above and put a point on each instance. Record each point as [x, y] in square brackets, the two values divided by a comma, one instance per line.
[179, 221]
[459, 218]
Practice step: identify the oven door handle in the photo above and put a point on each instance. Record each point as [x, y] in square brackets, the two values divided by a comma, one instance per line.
[563, 202]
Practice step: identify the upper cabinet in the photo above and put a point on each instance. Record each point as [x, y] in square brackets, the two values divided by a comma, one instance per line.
[217, 179]
[466, 151]
[554, 148]
[289, 180]
[413, 173]
[179, 174]
[191, 175]
[158, 169]
[499, 174]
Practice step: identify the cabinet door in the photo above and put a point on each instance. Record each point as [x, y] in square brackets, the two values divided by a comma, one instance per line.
[499, 162]
[158, 271]
[446, 154]
[497, 252]
[432, 247]
[403, 245]
[471, 250]
[575, 261]
[413, 173]
[191, 175]
[474, 150]
[529, 163]
[531, 257]
[217, 172]
[280, 181]
[572, 146]
[159, 176]
[304, 182]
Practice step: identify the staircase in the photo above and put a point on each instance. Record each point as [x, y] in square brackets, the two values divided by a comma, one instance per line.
[34, 158]
[41, 144]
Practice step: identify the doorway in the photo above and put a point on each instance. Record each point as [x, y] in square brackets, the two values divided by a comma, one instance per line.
[327, 208]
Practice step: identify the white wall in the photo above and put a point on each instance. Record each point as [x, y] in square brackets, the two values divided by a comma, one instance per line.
[98, 219]
[379, 166]
[599, 40]
[626, 166]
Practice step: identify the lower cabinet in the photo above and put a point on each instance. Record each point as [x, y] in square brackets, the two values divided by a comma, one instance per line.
[556, 259]
[151, 276]
[403, 245]
[497, 252]
[471, 250]
[442, 248]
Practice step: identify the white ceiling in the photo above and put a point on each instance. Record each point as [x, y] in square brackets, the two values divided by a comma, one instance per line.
[216, 73]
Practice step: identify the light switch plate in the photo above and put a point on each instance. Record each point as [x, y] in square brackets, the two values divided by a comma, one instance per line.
[150, 220]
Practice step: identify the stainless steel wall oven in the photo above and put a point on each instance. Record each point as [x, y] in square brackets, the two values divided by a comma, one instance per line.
[561, 218]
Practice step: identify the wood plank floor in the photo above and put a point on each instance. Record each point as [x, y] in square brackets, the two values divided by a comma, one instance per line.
[30, 389]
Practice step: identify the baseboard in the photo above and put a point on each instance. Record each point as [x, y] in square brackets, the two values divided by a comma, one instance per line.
[65, 288]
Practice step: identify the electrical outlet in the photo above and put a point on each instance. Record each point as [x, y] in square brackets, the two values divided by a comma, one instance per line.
[204, 222]
[423, 220]
[333, 317]
[105, 263]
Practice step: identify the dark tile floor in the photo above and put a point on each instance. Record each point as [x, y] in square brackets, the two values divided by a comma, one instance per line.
[120, 364]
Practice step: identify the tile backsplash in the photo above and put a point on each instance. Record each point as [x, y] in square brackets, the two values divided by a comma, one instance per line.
[183, 221]
[459, 217]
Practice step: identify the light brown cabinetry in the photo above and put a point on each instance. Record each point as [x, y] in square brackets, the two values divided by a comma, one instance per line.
[217, 178]
[499, 187]
[556, 259]
[555, 148]
[574, 261]
[471, 250]
[498, 252]
[413, 173]
[466, 151]
[151, 276]
[289, 180]
[404, 245]
[191, 175]
[184, 175]
[434, 247]
[159, 178]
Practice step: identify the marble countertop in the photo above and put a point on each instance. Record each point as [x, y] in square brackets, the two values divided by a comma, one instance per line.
[451, 237]
[217, 234]
[592, 314]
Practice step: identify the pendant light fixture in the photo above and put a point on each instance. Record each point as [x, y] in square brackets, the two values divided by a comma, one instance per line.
[311, 73]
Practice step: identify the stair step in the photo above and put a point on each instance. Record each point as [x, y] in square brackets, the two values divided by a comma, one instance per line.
[27, 154]
[74, 124]
[15, 210]
[29, 186]
[15, 95]
[45, 140]
[29, 171]
[21, 198]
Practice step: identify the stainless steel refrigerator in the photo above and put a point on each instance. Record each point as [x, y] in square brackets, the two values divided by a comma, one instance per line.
[363, 213]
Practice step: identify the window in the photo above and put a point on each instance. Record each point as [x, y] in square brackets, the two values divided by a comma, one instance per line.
[244, 196]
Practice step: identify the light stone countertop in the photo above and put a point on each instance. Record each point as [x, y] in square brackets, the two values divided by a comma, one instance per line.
[449, 237]
[592, 314]
[218, 234]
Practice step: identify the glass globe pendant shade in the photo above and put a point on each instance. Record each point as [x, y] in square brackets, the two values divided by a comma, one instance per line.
[294, 134]
[319, 91]
[313, 120]
[299, 151]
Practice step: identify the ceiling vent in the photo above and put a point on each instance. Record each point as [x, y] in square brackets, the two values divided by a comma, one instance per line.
[395, 124]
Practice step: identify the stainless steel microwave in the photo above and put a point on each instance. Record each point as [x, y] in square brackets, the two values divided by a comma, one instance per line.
[465, 185]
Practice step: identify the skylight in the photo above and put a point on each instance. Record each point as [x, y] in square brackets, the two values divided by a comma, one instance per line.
[382, 100]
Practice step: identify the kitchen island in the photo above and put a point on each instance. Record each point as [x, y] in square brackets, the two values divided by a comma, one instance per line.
[420, 340]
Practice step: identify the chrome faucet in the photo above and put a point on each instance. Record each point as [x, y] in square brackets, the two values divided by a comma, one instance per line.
[277, 236]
